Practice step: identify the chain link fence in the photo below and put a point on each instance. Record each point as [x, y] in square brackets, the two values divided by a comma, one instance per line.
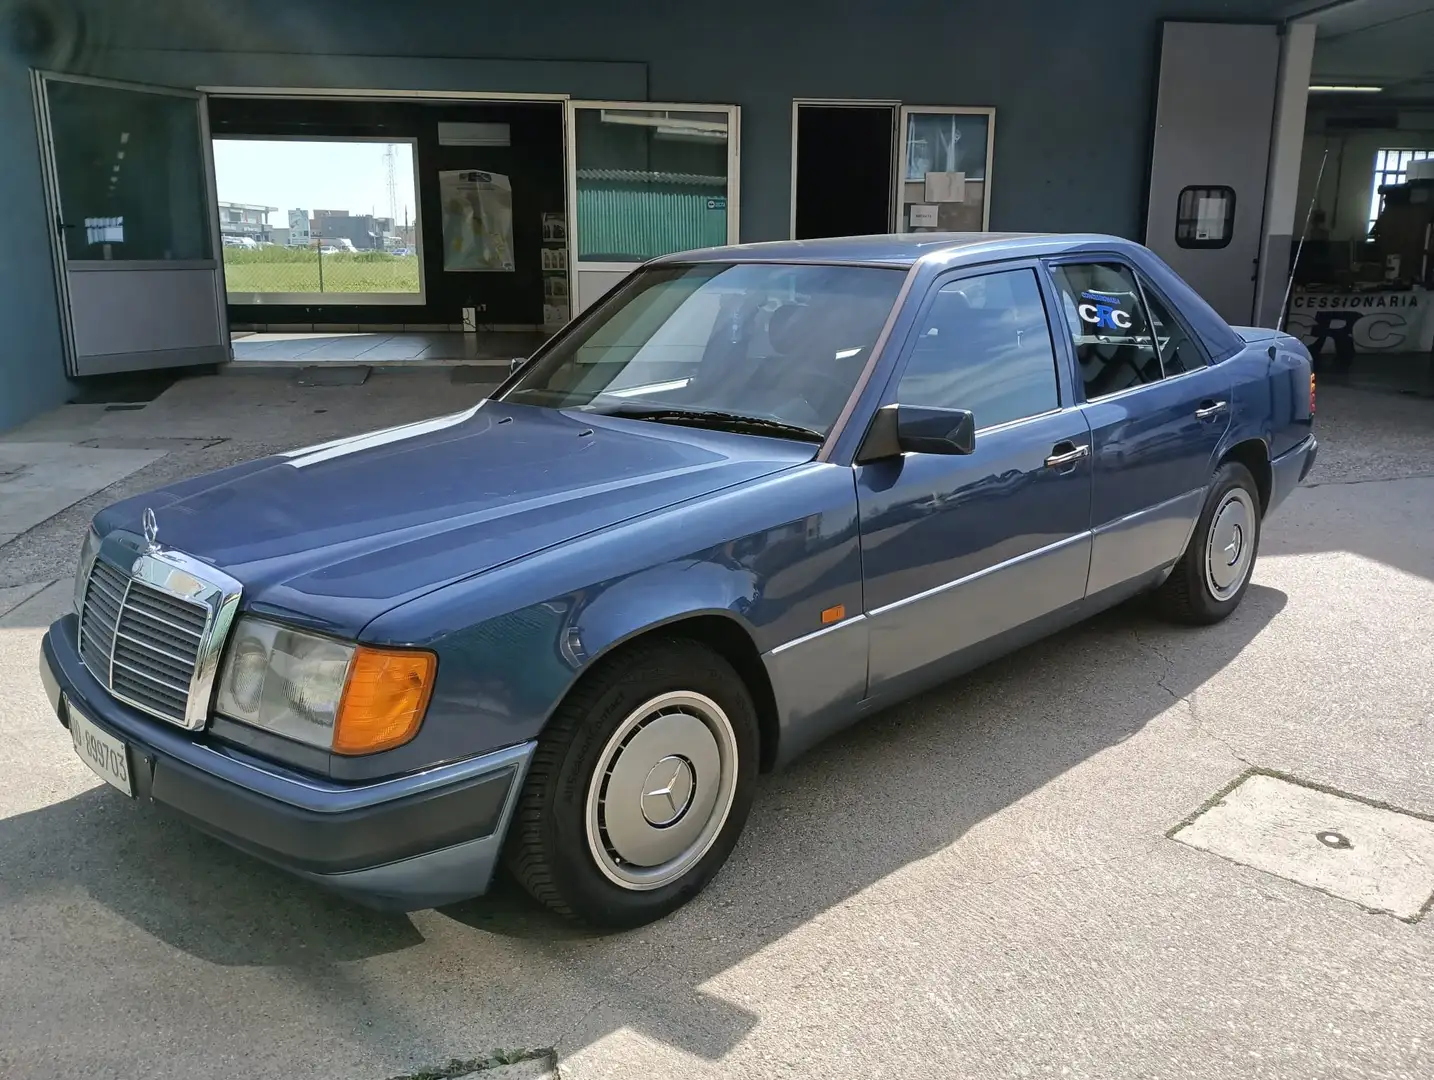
[277, 269]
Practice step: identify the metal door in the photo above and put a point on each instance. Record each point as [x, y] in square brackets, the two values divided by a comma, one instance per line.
[129, 181]
[1213, 124]
[644, 179]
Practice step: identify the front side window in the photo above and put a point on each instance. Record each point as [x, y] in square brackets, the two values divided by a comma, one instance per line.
[984, 345]
[1107, 323]
[772, 342]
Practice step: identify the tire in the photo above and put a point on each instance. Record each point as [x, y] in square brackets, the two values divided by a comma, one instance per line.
[1204, 588]
[598, 835]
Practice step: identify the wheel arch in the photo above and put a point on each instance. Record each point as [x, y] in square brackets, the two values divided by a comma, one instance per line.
[1254, 454]
[726, 635]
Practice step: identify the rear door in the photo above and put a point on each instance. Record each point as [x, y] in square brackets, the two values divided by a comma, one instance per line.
[957, 550]
[1157, 411]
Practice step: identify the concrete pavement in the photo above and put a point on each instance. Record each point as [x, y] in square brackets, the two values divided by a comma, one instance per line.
[977, 884]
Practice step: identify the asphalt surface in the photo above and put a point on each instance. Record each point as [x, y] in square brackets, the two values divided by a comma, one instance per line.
[976, 884]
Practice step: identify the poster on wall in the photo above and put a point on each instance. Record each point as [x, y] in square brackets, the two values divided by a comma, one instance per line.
[477, 220]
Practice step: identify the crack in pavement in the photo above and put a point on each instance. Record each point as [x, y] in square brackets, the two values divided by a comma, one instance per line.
[1188, 700]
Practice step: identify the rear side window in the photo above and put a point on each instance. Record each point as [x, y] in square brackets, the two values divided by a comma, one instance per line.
[1179, 351]
[1107, 322]
[984, 345]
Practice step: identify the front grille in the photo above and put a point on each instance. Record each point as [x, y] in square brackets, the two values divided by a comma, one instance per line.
[141, 642]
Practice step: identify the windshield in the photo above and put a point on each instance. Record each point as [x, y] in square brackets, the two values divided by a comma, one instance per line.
[770, 342]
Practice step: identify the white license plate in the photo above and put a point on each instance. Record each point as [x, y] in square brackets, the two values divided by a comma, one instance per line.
[103, 753]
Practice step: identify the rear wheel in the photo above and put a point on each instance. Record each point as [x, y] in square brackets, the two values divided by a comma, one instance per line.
[1210, 579]
[639, 787]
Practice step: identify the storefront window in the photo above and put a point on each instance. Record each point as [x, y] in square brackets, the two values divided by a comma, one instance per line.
[650, 182]
[331, 221]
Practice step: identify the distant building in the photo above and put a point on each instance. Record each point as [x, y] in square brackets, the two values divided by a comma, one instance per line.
[246, 221]
[364, 231]
[300, 232]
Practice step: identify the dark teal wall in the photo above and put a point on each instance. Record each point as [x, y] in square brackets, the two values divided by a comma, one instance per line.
[1071, 84]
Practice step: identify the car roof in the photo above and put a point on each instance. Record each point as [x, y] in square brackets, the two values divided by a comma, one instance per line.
[904, 249]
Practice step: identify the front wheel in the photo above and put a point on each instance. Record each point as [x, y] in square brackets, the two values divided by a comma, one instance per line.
[639, 786]
[1210, 579]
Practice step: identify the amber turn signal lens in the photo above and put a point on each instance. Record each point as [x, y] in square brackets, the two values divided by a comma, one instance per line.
[385, 699]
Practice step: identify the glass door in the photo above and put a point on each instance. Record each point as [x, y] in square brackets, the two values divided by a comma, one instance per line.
[645, 180]
[945, 173]
[129, 182]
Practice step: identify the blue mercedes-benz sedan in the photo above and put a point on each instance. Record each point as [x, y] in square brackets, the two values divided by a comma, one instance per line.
[752, 496]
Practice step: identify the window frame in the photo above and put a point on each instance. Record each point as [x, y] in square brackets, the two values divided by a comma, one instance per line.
[1193, 243]
[1380, 176]
[1065, 386]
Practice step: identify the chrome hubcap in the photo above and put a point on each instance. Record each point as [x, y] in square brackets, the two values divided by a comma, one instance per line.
[668, 791]
[662, 790]
[1230, 547]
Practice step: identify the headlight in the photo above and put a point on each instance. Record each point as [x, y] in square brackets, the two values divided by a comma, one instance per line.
[347, 698]
[88, 552]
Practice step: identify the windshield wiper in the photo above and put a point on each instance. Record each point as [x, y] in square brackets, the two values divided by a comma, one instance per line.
[721, 421]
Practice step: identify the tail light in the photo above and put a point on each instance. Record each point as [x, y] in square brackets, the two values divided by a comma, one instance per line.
[1312, 394]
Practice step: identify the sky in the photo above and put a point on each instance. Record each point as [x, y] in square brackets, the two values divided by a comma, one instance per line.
[319, 175]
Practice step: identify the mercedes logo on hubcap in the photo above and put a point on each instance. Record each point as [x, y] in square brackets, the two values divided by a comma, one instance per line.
[667, 792]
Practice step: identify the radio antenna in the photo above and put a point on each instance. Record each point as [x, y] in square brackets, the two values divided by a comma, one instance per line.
[1300, 247]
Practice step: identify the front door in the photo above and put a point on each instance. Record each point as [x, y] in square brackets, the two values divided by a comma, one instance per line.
[1157, 411]
[958, 550]
[130, 191]
[645, 180]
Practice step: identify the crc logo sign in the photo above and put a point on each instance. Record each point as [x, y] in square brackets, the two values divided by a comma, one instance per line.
[1103, 312]
[1376, 322]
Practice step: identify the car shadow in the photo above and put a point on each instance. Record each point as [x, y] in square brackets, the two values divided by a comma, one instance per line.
[894, 790]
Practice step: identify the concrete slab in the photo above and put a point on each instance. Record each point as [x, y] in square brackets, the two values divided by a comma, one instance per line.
[1379, 858]
[40, 479]
[48, 603]
[16, 595]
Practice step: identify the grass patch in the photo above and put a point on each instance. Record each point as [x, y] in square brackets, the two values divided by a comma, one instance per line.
[297, 270]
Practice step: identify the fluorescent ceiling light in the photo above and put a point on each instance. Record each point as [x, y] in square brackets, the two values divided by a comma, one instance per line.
[1341, 88]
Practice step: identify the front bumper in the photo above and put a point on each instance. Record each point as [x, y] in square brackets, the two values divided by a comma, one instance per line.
[411, 842]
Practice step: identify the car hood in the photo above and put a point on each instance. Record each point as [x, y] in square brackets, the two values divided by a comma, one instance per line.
[334, 535]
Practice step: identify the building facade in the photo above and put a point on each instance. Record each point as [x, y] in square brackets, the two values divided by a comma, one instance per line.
[1030, 115]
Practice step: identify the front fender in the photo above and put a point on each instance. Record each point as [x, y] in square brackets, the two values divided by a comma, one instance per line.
[511, 643]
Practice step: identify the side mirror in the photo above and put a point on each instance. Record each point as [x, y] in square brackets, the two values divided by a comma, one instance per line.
[516, 363]
[918, 429]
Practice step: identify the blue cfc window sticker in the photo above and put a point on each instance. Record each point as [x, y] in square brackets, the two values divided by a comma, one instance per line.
[1103, 311]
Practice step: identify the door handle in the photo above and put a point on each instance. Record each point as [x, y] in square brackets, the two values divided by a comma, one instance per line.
[1211, 409]
[1060, 456]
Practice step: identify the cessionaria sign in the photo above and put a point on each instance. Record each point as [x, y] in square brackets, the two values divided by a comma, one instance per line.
[1369, 322]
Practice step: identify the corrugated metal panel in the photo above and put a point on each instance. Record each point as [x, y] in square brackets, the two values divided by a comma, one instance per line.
[629, 222]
